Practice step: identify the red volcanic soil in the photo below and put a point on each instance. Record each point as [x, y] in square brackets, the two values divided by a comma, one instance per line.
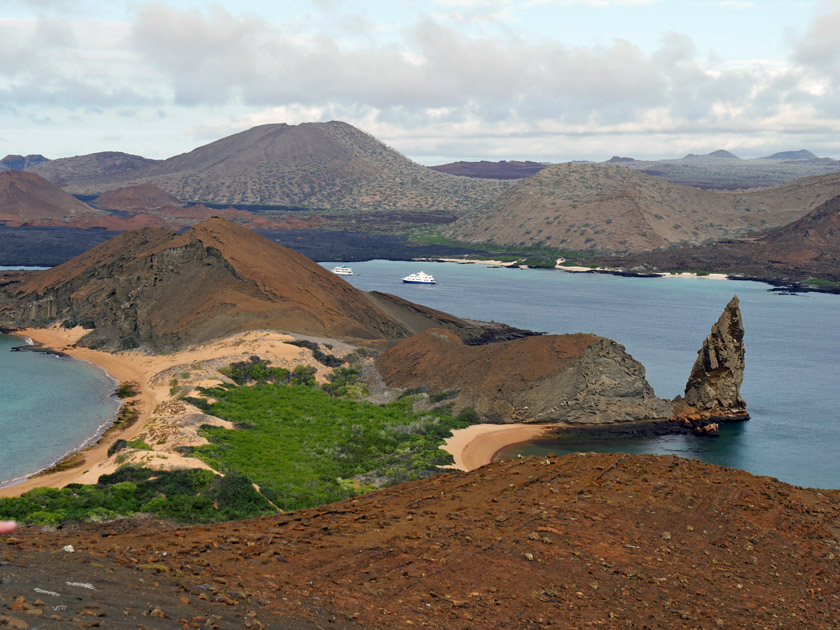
[581, 541]
[26, 198]
[140, 197]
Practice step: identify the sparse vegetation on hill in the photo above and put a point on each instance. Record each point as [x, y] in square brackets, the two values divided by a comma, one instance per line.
[314, 165]
[601, 208]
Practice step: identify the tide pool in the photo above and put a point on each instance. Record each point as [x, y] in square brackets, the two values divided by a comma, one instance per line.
[792, 350]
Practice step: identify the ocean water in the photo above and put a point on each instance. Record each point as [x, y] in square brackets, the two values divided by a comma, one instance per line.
[49, 407]
[792, 377]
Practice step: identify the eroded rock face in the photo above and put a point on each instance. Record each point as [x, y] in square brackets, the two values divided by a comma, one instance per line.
[550, 378]
[714, 387]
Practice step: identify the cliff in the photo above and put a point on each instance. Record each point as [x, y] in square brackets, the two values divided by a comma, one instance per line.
[550, 378]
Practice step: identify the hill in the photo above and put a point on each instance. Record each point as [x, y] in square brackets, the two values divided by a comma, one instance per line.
[26, 197]
[723, 170]
[140, 197]
[161, 290]
[504, 169]
[69, 172]
[316, 165]
[576, 378]
[601, 207]
[21, 162]
[788, 255]
[585, 540]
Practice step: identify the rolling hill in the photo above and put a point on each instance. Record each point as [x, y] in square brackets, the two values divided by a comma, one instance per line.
[600, 207]
[315, 165]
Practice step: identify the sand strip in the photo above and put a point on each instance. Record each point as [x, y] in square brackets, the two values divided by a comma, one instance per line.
[476, 445]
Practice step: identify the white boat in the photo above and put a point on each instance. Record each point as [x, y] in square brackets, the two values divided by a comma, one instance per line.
[341, 270]
[420, 278]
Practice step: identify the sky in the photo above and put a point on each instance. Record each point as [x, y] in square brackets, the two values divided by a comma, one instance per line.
[437, 80]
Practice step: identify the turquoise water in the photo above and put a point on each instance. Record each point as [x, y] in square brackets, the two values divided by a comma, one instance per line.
[792, 344]
[49, 407]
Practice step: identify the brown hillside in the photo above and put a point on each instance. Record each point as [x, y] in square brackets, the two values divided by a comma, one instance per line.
[806, 248]
[319, 165]
[581, 541]
[155, 288]
[140, 197]
[611, 208]
[548, 378]
[27, 197]
[70, 172]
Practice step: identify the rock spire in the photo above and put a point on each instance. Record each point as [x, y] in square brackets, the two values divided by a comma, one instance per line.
[714, 387]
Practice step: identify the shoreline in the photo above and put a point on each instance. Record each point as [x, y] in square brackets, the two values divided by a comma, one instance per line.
[163, 420]
[477, 445]
[94, 450]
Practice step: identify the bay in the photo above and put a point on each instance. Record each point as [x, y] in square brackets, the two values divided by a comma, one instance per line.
[49, 407]
[792, 350]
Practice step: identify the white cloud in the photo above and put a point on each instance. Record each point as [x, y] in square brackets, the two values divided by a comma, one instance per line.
[430, 82]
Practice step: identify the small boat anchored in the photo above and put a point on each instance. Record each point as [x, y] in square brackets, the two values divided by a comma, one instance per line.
[419, 278]
[341, 270]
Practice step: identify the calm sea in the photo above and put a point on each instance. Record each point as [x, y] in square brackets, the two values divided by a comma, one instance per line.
[49, 406]
[792, 342]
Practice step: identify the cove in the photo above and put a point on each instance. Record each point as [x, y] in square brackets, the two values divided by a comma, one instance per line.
[49, 407]
[792, 350]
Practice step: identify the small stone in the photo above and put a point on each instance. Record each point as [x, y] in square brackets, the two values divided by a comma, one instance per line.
[529, 556]
[666, 536]
[68, 549]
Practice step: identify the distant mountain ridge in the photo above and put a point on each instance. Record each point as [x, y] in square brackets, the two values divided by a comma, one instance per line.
[317, 165]
[600, 207]
[21, 162]
[724, 170]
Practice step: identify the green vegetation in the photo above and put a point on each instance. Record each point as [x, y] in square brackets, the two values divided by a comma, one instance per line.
[255, 370]
[821, 283]
[186, 496]
[321, 357]
[494, 251]
[305, 447]
[127, 389]
[303, 444]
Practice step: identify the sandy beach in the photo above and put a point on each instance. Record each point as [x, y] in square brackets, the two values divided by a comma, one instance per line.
[164, 422]
[476, 445]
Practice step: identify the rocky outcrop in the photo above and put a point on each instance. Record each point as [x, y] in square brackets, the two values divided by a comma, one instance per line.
[576, 378]
[714, 387]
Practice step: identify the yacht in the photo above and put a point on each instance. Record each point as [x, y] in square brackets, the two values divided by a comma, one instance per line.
[341, 270]
[420, 278]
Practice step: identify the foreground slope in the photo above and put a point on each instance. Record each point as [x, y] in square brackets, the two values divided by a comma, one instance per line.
[318, 165]
[595, 540]
[611, 208]
[161, 290]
